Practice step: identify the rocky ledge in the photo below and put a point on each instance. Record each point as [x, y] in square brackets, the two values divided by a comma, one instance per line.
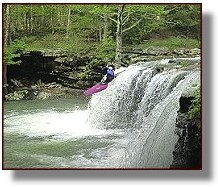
[187, 153]
[70, 72]
[41, 91]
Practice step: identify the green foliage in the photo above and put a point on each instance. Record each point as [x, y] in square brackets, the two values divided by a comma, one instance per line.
[171, 43]
[184, 63]
[106, 48]
[18, 46]
[184, 19]
[12, 51]
[151, 20]
[194, 110]
[105, 52]
[74, 45]
[44, 26]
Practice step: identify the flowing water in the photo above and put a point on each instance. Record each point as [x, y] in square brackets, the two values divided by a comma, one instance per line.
[129, 125]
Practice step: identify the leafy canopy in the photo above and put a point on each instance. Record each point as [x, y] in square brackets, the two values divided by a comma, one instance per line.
[12, 51]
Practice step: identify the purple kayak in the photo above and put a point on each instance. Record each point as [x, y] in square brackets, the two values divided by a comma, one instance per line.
[97, 88]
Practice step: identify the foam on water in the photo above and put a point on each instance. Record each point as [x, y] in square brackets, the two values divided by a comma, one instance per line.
[64, 125]
[130, 124]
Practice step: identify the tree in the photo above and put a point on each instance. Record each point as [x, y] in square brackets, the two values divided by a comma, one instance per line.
[100, 24]
[129, 17]
[68, 22]
[185, 19]
[119, 34]
[6, 40]
[11, 49]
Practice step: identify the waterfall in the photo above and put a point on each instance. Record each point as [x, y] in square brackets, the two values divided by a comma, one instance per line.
[144, 102]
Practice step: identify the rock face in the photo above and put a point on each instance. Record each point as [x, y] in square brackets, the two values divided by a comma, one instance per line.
[132, 55]
[66, 72]
[73, 72]
[70, 71]
[157, 51]
[187, 153]
[42, 91]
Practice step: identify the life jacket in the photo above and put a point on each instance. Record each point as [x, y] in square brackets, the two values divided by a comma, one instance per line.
[110, 72]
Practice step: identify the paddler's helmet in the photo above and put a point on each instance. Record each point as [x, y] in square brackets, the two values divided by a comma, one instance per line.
[112, 67]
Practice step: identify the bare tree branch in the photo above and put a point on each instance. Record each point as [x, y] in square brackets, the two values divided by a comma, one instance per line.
[112, 19]
[126, 19]
[133, 25]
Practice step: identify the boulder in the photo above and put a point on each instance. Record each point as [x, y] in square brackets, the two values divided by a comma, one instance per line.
[181, 51]
[156, 51]
[43, 95]
[16, 95]
[194, 51]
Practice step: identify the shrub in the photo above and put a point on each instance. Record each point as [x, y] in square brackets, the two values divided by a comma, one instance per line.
[12, 51]
[194, 110]
[105, 53]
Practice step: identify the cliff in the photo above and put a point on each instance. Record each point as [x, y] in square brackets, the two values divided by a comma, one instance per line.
[187, 153]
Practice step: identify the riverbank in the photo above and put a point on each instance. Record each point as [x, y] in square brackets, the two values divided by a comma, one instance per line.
[54, 74]
[130, 125]
[42, 91]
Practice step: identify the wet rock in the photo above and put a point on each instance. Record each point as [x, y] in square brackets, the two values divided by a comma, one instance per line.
[181, 51]
[187, 153]
[54, 52]
[43, 95]
[159, 69]
[194, 52]
[17, 83]
[74, 71]
[16, 95]
[184, 51]
[185, 103]
[60, 59]
[156, 51]
[142, 58]
[174, 61]
[134, 51]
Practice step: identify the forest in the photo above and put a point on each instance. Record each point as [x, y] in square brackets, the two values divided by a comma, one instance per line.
[103, 32]
[83, 27]
[58, 111]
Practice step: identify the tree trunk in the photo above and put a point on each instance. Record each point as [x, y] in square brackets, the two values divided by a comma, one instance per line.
[105, 32]
[42, 18]
[100, 34]
[59, 16]
[52, 22]
[9, 39]
[6, 42]
[31, 19]
[118, 57]
[68, 23]
[26, 22]
[5, 85]
[7, 25]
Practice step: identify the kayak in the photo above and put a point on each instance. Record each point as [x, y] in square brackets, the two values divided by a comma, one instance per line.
[96, 88]
[102, 86]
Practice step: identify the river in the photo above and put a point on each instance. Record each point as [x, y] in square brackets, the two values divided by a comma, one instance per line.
[54, 134]
[131, 124]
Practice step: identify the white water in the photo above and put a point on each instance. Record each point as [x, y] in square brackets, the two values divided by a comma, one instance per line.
[52, 123]
[145, 103]
[154, 144]
[129, 125]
